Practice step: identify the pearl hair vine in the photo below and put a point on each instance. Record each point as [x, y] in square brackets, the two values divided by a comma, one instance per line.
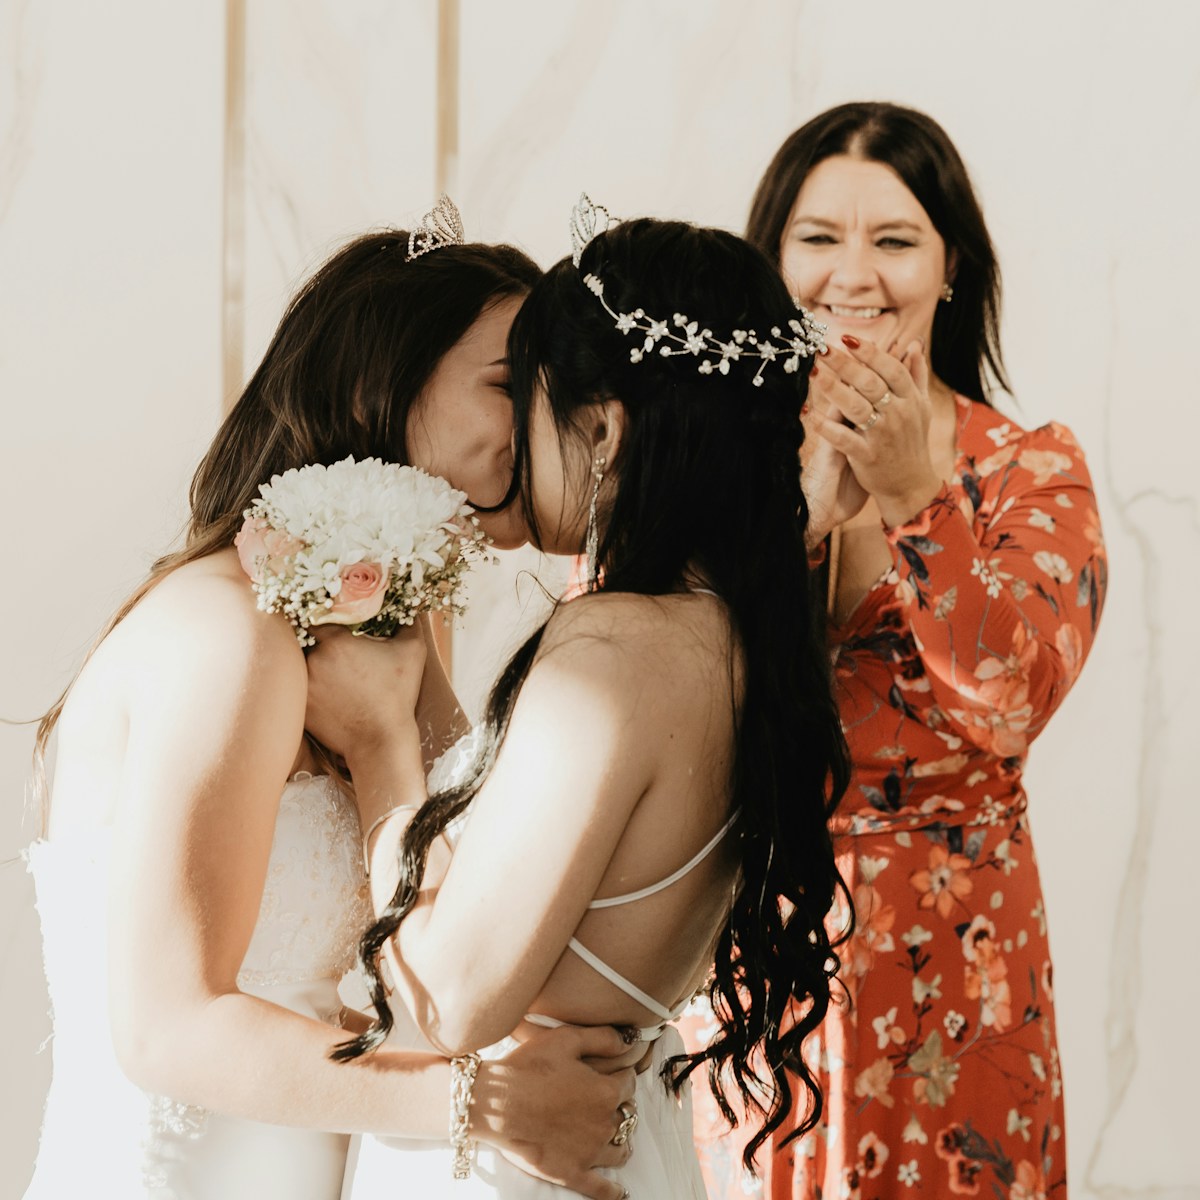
[805, 337]
[441, 226]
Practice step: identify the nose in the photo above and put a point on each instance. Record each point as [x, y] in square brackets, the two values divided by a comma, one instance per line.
[853, 269]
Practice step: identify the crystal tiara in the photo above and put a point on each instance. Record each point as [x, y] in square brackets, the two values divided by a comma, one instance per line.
[804, 338]
[441, 226]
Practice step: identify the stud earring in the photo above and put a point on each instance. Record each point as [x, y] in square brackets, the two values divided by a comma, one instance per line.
[947, 292]
[592, 544]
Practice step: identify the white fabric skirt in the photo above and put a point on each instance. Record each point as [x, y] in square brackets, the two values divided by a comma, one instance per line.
[663, 1165]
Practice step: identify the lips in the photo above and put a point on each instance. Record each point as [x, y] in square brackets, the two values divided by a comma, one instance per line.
[855, 312]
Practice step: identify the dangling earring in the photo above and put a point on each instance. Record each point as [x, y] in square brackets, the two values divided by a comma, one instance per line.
[593, 532]
[947, 292]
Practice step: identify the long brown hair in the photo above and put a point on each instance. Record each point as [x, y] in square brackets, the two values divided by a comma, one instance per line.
[348, 362]
[965, 346]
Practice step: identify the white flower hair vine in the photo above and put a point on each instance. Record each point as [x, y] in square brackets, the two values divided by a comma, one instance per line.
[805, 337]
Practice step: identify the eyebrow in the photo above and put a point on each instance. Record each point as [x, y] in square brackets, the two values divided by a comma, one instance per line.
[822, 223]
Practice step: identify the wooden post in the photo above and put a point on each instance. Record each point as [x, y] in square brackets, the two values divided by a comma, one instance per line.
[233, 267]
[446, 180]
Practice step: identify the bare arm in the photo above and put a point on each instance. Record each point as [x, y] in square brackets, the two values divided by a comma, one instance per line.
[578, 756]
[215, 720]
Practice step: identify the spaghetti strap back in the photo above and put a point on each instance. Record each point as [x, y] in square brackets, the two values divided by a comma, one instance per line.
[667, 1013]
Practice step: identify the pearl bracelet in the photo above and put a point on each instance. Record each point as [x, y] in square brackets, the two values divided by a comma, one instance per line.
[463, 1069]
[375, 824]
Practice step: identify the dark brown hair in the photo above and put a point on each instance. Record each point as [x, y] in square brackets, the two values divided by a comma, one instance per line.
[965, 351]
[349, 360]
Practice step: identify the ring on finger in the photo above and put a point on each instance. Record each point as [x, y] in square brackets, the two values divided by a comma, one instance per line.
[870, 422]
[629, 1120]
[883, 401]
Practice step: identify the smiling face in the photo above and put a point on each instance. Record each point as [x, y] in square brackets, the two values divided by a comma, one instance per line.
[862, 254]
[461, 427]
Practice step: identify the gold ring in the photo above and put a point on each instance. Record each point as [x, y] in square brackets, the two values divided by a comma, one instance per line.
[884, 400]
[870, 423]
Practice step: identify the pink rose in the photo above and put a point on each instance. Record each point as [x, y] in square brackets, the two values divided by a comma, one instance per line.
[360, 597]
[259, 547]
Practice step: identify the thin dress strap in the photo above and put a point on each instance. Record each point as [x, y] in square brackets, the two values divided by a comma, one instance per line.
[615, 977]
[618, 980]
[674, 877]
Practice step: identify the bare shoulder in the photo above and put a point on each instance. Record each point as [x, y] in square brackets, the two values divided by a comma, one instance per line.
[662, 644]
[206, 610]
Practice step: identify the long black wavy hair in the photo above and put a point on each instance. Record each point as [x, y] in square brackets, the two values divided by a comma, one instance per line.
[965, 345]
[707, 485]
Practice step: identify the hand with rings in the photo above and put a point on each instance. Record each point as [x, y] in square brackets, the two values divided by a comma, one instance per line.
[876, 410]
[879, 405]
[629, 1120]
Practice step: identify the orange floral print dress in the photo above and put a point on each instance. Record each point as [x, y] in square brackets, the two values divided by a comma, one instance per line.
[939, 1065]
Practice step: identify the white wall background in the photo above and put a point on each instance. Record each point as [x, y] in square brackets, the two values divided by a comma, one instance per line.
[1079, 122]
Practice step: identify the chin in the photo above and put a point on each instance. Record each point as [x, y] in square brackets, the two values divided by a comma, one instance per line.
[507, 532]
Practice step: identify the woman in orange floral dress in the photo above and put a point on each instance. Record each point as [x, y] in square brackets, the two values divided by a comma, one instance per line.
[967, 575]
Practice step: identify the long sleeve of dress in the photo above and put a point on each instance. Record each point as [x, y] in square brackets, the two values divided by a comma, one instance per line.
[1003, 589]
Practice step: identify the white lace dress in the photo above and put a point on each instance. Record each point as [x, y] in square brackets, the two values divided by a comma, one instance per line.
[104, 1137]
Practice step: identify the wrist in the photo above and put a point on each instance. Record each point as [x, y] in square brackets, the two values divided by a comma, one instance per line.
[463, 1070]
[388, 774]
[485, 1120]
[901, 509]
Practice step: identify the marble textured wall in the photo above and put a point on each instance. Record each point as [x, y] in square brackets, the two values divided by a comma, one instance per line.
[110, 270]
[1078, 122]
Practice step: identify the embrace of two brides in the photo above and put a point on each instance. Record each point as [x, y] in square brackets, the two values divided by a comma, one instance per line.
[641, 815]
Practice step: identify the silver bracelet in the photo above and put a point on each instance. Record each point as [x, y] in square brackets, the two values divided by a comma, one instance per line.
[462, 1081]
[375, 824]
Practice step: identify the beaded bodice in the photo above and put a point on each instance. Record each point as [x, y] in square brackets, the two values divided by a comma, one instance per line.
[314, 904]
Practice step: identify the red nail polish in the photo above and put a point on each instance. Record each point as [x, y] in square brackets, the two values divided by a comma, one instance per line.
[851, 341]
[812, 374]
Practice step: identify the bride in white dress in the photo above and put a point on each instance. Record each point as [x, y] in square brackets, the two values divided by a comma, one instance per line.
[201, 885]
[650, 798]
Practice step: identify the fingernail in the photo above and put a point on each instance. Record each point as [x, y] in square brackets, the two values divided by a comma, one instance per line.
[850, 340]
[812, 374]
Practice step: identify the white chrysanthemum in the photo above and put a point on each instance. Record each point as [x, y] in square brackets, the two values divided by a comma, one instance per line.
[414, 527]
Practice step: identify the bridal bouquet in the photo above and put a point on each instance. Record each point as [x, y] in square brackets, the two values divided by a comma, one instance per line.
[365, 544]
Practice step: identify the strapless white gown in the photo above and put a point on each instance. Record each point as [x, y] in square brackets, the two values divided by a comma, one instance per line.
[104, 1137]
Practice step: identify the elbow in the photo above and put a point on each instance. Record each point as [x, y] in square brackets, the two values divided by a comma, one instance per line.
[156, 1047]
[459, 1019]
[142, 1049]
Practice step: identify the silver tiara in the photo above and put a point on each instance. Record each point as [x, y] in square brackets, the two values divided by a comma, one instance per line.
[441, 226]
[588, 220]
[805, 337]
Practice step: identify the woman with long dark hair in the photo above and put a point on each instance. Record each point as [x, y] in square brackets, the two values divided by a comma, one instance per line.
[965, 575]
[201, 884]
[659, 760]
